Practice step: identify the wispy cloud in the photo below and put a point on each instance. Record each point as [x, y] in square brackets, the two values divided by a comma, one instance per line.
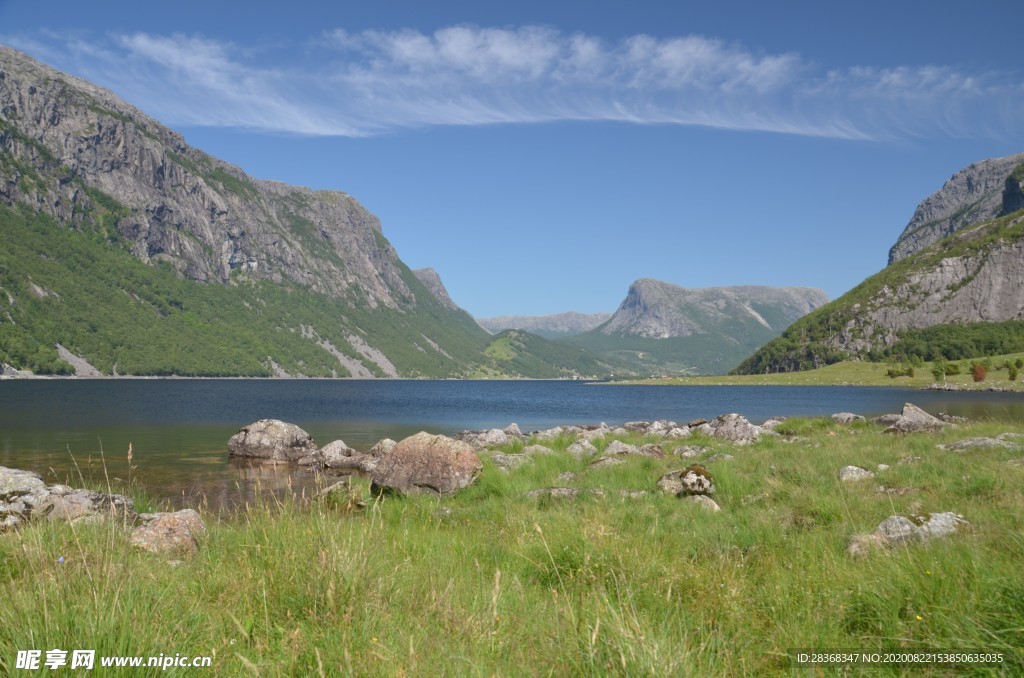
[373, 82]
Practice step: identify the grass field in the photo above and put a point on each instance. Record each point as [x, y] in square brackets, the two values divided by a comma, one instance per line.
[505, 585]
[858, 373]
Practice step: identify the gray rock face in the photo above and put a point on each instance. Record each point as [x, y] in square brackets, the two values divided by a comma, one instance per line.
[203, 216]
[973, 194]
[273, 441]
[550, 326]
[426, 463]
[432, 281]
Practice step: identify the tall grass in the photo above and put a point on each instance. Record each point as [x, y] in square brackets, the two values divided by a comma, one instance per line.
[505, 585]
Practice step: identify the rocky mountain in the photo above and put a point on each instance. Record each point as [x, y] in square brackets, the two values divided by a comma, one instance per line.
[662, 327]
[550, 326]
[975, 275]
[135, 253]
[432, 281]
[974, 194]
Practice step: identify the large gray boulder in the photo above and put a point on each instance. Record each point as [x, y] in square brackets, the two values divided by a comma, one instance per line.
[920, 527]
[915, 420]
[20, 493]
[275, 442]
[426, 463]
[691, 481]
[735, 428]
[24, 497]
[338, 455]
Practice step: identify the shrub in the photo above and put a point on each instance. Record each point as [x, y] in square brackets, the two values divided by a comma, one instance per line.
[978, 372]
[1019, 363]
[1013, 373]
[938, 372]
[952, 368]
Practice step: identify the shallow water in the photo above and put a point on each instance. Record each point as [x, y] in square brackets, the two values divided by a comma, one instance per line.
[178, 428]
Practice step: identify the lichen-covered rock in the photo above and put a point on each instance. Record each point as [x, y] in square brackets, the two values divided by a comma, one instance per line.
[65, 503]
[273, 441]
[512, 431]
[337, 454]
[581, 449]
[382, 447]
[886, 419]
[20, 493]
[677, 433]
[735, 428]
[915, 420]
[564, 492]
[651, 450]
[605, 462]
[694, 480]
[846, 417]
[426, 463]
[480, 440]
[920, 527]
[177, 533]
[689, 451]
[537, 449]
[721, 456]
[566, 477]
[854, 473]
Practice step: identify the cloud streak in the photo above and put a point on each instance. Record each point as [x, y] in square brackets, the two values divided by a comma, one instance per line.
[375, 82]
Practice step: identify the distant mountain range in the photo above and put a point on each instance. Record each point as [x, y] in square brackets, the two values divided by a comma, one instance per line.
[955, 287]
[551, 326]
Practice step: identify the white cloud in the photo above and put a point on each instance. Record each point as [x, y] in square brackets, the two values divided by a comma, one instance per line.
[356, 84]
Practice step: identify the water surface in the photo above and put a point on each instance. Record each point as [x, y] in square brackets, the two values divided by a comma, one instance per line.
[178, 428]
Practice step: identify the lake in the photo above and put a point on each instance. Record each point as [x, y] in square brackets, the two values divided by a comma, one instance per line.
[178, 428]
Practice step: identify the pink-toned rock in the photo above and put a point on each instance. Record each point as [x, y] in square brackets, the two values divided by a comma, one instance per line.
[175, 533]
[426, 463]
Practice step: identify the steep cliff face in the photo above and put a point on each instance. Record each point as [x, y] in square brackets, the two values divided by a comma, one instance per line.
[975, 275]
[432, 281]
[972, 195]
[70, 149]
[663, 328]
[552, 326]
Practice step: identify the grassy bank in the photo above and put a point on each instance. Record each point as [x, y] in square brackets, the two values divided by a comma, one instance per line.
[862, 373]
[505, 585]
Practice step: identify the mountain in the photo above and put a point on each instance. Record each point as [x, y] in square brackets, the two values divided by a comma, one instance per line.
[662, 327]
[127, 251]
[432, 281]
[960, 296]
[972, 195]
[550, 326]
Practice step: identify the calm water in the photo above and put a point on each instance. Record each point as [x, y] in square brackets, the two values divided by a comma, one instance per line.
[179, 428]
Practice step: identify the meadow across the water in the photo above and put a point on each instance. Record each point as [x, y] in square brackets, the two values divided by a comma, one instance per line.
[490, 582]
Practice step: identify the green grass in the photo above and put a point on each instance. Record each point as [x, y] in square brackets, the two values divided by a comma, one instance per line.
[509, 586]
[859, 373]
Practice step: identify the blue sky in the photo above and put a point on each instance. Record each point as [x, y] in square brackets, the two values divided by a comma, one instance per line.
[542, 156]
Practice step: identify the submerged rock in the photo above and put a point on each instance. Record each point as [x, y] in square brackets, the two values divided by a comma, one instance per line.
[426, 463]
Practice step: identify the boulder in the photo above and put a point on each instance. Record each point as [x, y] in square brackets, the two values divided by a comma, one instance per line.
[660, 428]
[915, 420]
[480, 440]
[273, 441]
[426, 463]
[636, 425]
[651, 450]
[854, 473]
[677, 433]
[65, 503]
[566, 477]
[689, 451]
[618, 447]
[509, 462]
[694, 480]
[581, 449]
[537, 449]
[549, 434]
[697, 422]
[177, 533]
[846, 417]
[512, 431]
[920, 527]
[382, 447]
[21, 492]
[721, 456]
[772, 423]
[735, 428]
[886, 419]
[605, 462]
[339, 455]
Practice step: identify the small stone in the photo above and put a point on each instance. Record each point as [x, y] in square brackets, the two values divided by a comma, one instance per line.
[677, 433]
[976, 443]
[633, 494]
[862, 544]
[564, 492]
[512, 431]
[689, 451]
[341, 487]
[605, 462]
[652, 450]
[566, 477]
[846, 417]
[854, 473]
[536, 449]
[510, 462]
[721, 456]
[883, 467]
[619, 447]
[703, 501]
[909, 460]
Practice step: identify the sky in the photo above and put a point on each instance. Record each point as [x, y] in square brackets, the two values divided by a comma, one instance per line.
[542, 156]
